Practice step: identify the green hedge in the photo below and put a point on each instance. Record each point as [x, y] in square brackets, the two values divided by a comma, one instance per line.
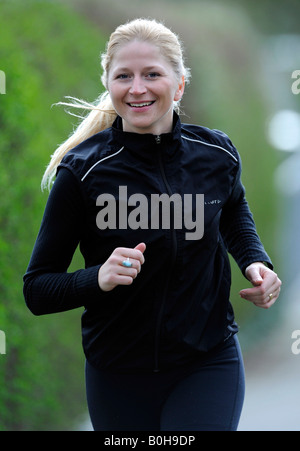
[46, 52]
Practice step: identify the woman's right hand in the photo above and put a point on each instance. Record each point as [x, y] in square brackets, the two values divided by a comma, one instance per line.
[113, 273]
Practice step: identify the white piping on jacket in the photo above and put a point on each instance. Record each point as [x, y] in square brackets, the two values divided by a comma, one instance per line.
[212, 145]
[100, 161]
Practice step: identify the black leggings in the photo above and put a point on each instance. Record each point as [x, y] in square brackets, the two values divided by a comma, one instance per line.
[204, 396]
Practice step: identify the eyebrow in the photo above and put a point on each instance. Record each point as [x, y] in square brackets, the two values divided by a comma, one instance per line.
[147, 68]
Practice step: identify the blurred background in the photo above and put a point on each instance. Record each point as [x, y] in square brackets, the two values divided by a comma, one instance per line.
[245, 61]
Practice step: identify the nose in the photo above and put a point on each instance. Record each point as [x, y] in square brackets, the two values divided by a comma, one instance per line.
[137, 86]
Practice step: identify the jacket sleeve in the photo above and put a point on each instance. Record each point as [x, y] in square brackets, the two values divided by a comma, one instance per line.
[48, 288]
[238, 229]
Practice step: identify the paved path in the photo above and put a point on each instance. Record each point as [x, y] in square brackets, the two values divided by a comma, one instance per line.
[272, 401]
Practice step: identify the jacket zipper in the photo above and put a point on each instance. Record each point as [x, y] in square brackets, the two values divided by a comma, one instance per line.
[171, 266]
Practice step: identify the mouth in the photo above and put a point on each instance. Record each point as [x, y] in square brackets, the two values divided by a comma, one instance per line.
[140, 104]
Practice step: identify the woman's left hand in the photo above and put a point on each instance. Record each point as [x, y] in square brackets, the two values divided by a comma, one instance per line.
[266, 285]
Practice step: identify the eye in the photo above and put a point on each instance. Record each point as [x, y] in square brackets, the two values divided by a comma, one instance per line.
[122, 76]
[153, 75]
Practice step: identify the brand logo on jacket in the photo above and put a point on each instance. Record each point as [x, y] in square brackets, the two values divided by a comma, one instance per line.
[160, 211]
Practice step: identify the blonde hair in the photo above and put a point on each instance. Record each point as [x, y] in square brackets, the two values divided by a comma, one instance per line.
[102, 113]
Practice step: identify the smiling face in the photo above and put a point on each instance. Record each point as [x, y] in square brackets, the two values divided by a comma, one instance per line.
[143, 88]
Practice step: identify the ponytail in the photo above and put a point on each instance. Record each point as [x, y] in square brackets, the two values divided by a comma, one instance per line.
[101, 116]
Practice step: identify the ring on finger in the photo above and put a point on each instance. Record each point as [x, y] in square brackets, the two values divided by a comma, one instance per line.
[270, 296]
[127, 263]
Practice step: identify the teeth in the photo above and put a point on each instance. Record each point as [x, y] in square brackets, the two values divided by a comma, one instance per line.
[139, 105]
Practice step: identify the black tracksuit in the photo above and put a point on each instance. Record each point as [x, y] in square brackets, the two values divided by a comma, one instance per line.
[178, 306]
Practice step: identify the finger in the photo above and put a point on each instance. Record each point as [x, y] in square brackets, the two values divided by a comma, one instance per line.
[132, 254]
[265, 301]
[123, 280]
[119, 265]
[251, 294]
[141, 247]
[270, 285]
[269, 298]
[273, 296]
[130, 263]
[255, 294]
[129, 272]
[259, 298]
[272, 292]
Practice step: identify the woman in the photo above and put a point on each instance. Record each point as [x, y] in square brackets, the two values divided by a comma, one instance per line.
[158, 329]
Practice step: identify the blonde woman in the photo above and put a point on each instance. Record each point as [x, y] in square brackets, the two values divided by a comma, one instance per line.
[155, 206]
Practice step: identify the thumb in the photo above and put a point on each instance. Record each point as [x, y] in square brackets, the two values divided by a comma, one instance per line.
[254, 276]
[141, 247]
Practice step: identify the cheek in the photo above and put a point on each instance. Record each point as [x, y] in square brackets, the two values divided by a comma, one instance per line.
[114, 91]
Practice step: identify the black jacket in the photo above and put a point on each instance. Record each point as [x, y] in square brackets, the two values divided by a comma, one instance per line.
[178, 306]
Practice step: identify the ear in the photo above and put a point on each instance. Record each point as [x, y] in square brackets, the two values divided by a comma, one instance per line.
[180, 90]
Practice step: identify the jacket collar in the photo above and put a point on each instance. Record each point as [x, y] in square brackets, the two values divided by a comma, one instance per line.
[144, 145]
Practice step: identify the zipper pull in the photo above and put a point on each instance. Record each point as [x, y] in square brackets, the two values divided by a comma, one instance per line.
[158, 139]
